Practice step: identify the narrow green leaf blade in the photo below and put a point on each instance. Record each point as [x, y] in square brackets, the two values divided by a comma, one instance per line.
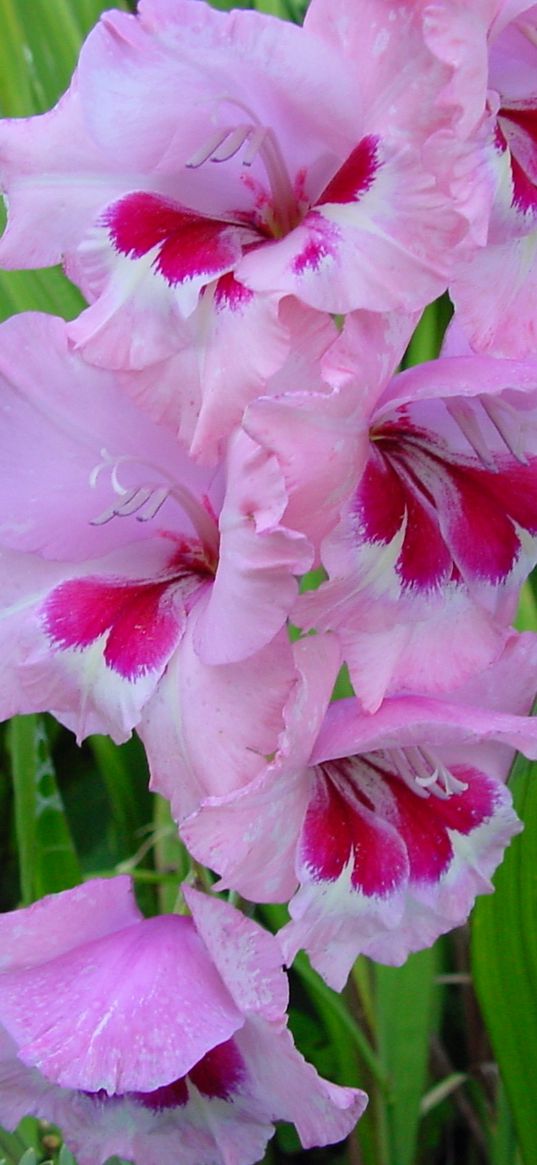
[504, 950]
[404, 1002]
[48, 861]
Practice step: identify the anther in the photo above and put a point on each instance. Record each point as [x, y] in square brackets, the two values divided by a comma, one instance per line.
[464, 416]
[130, 503]
[205, 152]
[231, 144]
[498, 414]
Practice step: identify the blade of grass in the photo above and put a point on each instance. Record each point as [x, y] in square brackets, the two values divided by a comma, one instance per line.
[119, 770]
[404, 1005]
[47, 857]
[504, 953]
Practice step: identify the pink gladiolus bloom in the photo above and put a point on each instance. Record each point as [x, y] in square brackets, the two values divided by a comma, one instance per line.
[119, 551]
[495, 290]
[437, 487]
[163, 1040]
[241, 187]
[389, 824]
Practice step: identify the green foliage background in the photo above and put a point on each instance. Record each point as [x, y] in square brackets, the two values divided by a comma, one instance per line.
[452, 1080]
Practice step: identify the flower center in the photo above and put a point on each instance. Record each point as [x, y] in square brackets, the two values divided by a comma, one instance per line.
[254, 141]
[145, 500]
[419, 769]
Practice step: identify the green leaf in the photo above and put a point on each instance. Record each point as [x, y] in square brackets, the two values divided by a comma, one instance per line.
[123, 770]
[404, 1006]
[504, 950]
[11, 1147]
[47, 858]
[28, 1158]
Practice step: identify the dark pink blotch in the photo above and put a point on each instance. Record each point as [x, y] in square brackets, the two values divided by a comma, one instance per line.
[524, 187]
[218, 1074]
[385, 500]
[339, 828]
[356, 176]
[424, 821]
[188, 244]
[141, 618]
[231, 295]
[460, 519]
[320, 244]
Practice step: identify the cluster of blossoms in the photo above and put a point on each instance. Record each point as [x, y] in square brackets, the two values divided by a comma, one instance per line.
[224, 188]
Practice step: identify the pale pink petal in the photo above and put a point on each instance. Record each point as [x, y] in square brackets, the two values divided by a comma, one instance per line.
[366, 351]
[196, 54]
[249, 837]
[249, 343]
[237, 347]
[23, 585]
[399, 74]
[247, 957]
[105, 1014]
[208, 730]
[58, 923]
[322, 1112]
[460, 373]
[56, 179]
[73, 446]
[495, 296]
[319, 439]
[255, 587]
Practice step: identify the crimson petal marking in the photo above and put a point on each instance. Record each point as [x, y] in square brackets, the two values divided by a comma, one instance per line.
[338, 829]
[475, 525]
[230, 294]
[380, 501]
[524, 190]
[514, 488]
[173, 1095]
[218, 1074]
[425, 561]
[424, 822]
[143, 621]
[189, 244]
[519, 131]
[356, 176]
[383, 501]
[322, 243]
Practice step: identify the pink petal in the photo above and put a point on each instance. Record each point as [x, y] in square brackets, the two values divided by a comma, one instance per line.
[249, 836]
[208, 730]
[53, 173]
[255, 584]
[58, 923]
[292, 1090]
[247, 957]
[65, 439]
[105, 1014]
